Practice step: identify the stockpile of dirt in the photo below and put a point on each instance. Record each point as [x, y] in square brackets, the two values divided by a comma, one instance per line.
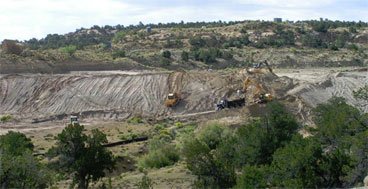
[340, 84]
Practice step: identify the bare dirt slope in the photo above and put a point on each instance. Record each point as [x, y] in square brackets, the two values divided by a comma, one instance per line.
[108, 95]
[315, 87]
[119, 95]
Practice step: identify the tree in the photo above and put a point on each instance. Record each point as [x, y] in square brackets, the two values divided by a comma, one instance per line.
[254, 177]
[18, 167]
[342, 131]
[83, 155]
[205, 160]
[296, 164]
[15, 143]
[337, 121]
[11, 47]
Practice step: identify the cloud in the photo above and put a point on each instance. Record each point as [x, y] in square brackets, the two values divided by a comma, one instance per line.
[295, 4]
[24, 19]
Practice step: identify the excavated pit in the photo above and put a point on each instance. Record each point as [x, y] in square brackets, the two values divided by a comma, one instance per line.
[120, 95]
[116, 96]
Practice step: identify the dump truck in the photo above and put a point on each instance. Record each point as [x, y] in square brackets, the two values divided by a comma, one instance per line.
[224, 103]
[172, 99]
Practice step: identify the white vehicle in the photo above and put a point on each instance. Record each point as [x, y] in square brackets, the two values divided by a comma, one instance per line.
[74, 120]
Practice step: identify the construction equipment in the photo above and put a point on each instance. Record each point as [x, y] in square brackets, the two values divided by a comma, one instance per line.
[258, 68]
[74, 120]
[175, 84]
[256, 91]
[224, 103]
[172, 99]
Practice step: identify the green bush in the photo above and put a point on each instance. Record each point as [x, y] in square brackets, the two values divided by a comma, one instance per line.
[353, 47]
[5, 118]
[205, 159]
[18, 167]
[118, 54]
[161, 154]
[129, 136]
[165, 61]
[184, 56]
[254, 177]
[119, 36]
[145, 183]
[135, 120]
[70, 49]
[361, 93]
[166, 54]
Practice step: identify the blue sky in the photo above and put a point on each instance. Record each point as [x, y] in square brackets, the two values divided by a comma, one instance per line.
[25, 19]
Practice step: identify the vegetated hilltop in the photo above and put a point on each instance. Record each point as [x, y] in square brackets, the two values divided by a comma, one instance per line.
[200, 45]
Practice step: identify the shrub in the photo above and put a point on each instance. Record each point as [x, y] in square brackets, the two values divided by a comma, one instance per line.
[119, 36]
[145, 183]
[209, 56]
[197, 42]
[166, 54]
[135, 120]
[165, 61]
[310, 40]
[361, 93]
[70, 49]
[129, 136]
[5, 118]
[353, 47]
[118, 54]
[184, 56]
[161, 154]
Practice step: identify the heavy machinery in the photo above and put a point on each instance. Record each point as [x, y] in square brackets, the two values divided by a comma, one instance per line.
[224, 103]
[255, 91]
[259, 68]
[74, 120]
[172, 99]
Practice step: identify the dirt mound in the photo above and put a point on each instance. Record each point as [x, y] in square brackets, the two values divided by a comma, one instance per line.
[341, 84]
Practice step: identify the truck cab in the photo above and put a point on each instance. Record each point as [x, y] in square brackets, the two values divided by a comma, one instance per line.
[74, 120]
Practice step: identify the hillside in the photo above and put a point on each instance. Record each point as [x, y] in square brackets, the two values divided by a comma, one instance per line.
[176, 46]
[82, 102]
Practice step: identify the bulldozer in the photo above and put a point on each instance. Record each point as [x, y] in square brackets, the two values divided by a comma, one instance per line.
[172, 99]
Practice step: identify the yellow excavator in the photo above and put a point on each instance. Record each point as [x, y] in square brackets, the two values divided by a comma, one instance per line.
[256, 91]
[259, 68]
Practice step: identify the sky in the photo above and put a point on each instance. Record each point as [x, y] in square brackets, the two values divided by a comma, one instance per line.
[26, 19]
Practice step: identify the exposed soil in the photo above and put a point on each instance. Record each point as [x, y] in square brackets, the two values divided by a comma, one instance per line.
[117, 95]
